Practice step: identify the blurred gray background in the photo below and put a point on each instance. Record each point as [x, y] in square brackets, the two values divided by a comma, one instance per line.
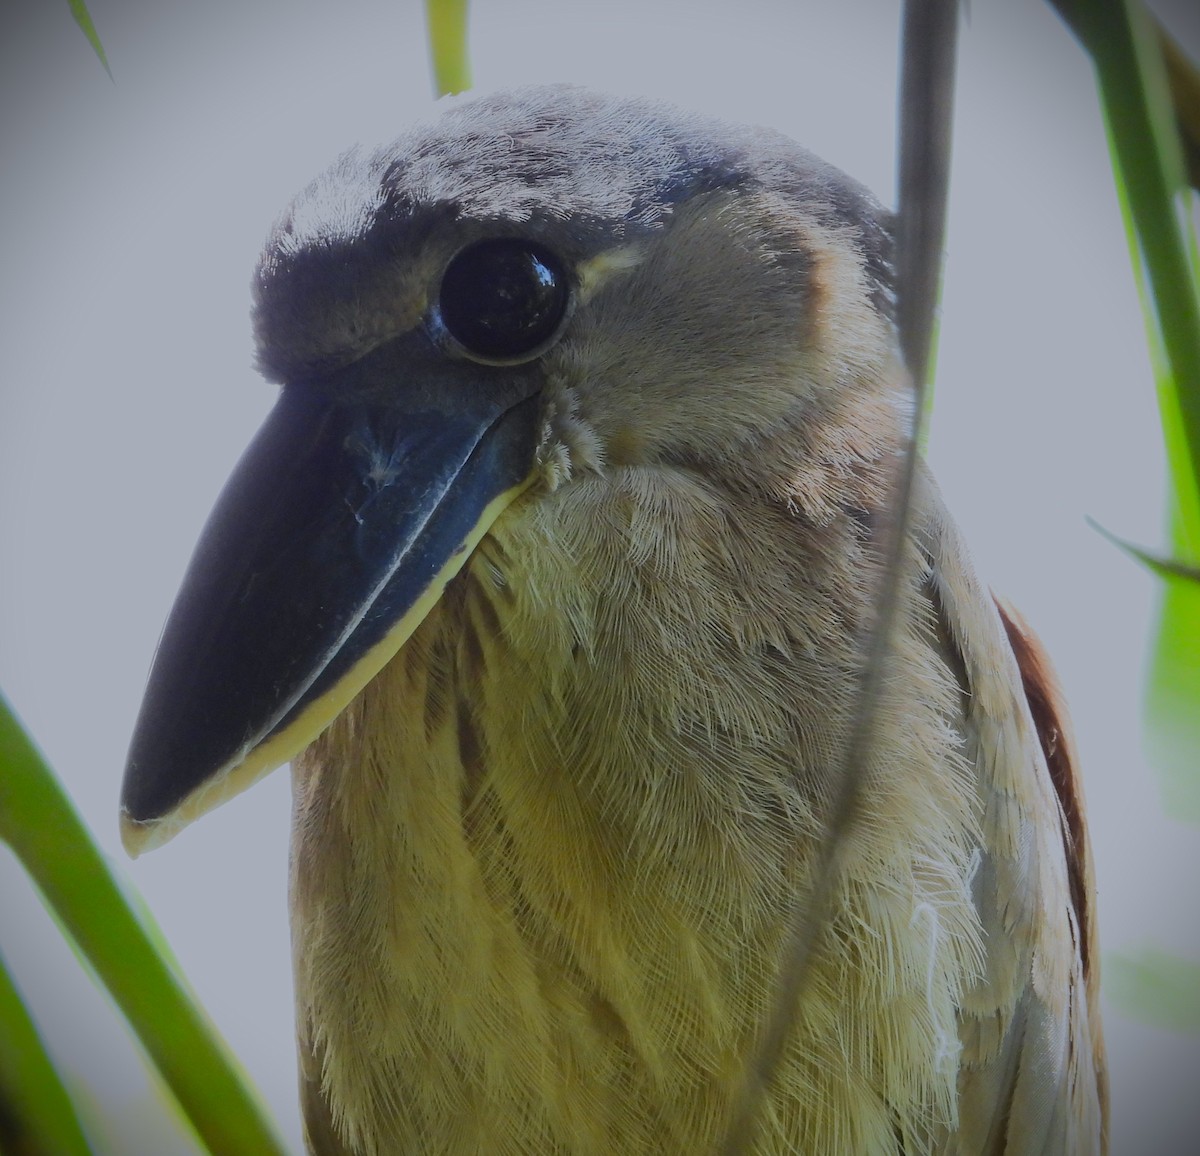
[132, 217]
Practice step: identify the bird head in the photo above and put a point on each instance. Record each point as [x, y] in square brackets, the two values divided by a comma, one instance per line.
[540, 284]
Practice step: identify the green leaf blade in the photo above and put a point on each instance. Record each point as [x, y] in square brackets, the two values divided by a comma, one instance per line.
[1143, 118]
[447, 23]
[36, 1112]
[78, 885]
[84, 19]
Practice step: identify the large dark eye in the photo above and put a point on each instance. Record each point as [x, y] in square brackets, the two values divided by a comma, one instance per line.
[503, 299]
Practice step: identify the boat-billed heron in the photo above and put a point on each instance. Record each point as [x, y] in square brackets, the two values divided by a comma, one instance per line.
[550, 572]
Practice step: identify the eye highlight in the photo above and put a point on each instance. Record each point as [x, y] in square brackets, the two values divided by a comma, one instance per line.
[503, 299]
